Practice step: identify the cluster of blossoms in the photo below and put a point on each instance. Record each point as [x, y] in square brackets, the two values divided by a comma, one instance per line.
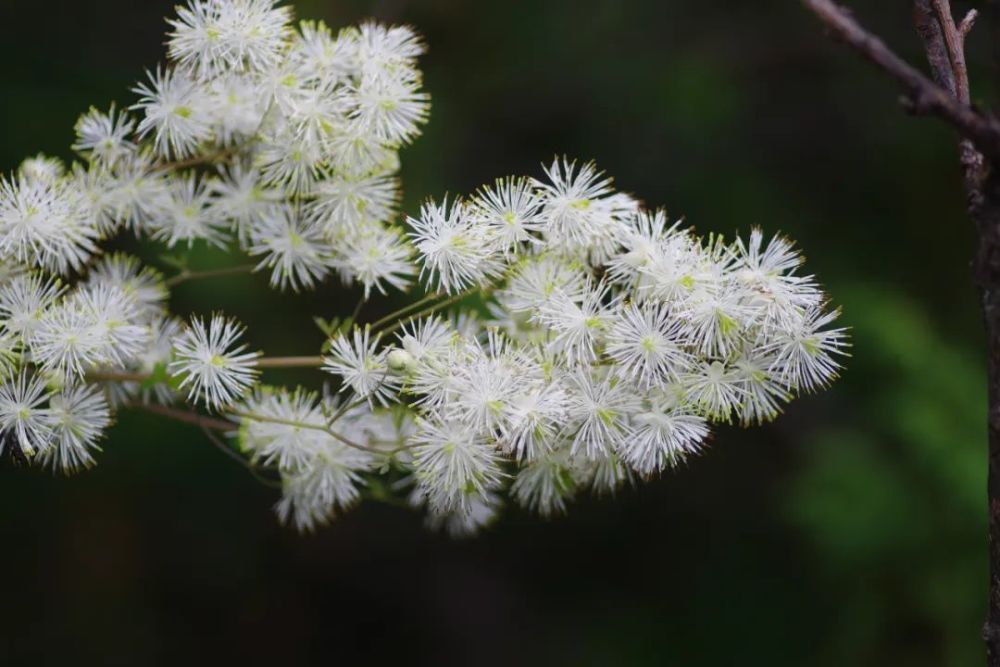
[566, 338]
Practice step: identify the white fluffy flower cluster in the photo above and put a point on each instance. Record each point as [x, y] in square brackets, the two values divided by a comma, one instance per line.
[612, 340]
[567, 338]
[303, 127]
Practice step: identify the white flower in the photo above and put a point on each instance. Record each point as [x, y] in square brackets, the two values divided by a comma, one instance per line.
[669, 273]
[144, 285]
[24, 300]
[647, 342]
[539, 280]
[65, 340]
[137, 193]
[290, 161]
[186, 215]
[762, 394]
[311, 496]
[375, 256]
[292, 246]
[236, 107]
[213, 36]
[23, 421]
[78, 417]
[390, 105]
[104, 137]
[583, 216]
[662, 437]
[714, 388]
[96, 198]
[95, 325]
[240, 197]
[452, 464]
[511, 211]
[282, 442]
[212, 366]
[457, 252]
[116, 321]
[381, 47]
[363, 368]
[483, 397]
[177, 113]
[598, 410]
[42, 168]
[545, 484]
[577, 327]
[534, 417]
[426, 340]
[42, 225]
[355, 151]
[804, 353]
[717, 321]
[343, 203]
[319, 57]
[481, 510]
[311, 114]
[647, 237]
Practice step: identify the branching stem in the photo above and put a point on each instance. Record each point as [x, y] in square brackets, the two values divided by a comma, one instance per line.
[187, 276]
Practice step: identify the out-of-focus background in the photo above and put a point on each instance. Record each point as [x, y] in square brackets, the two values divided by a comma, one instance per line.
[849, 532]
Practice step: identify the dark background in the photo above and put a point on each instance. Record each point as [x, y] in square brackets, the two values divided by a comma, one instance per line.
[849, 532]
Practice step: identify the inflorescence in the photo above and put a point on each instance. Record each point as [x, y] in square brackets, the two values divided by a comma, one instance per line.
[565, 338]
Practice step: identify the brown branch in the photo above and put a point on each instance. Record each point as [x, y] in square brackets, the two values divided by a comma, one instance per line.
[289, 362]
[926, 22]
[965, 27]
[926, 97]
[186, 416]
[955, 44]
[944, 44]
[228, 451]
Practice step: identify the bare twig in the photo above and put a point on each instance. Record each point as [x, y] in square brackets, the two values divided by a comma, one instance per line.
[228, 451]
[926, 97]
[289, 362]
[965, 27]
[926, 22]
[185, 276]
[944, 45]
[186, 416]
[956, 51]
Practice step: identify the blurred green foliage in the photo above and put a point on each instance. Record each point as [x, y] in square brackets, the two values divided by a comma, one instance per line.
[895, 509]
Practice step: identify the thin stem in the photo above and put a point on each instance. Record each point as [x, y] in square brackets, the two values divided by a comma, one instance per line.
[228, 451]
[357, 308]
[185, 276]
[345, 408]
[186, 416]
[117, 376]
[289, 362]
[263, 362]
[395, 315]
[210, 158]
[208, 425]
[314, 427]
[439, 306]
